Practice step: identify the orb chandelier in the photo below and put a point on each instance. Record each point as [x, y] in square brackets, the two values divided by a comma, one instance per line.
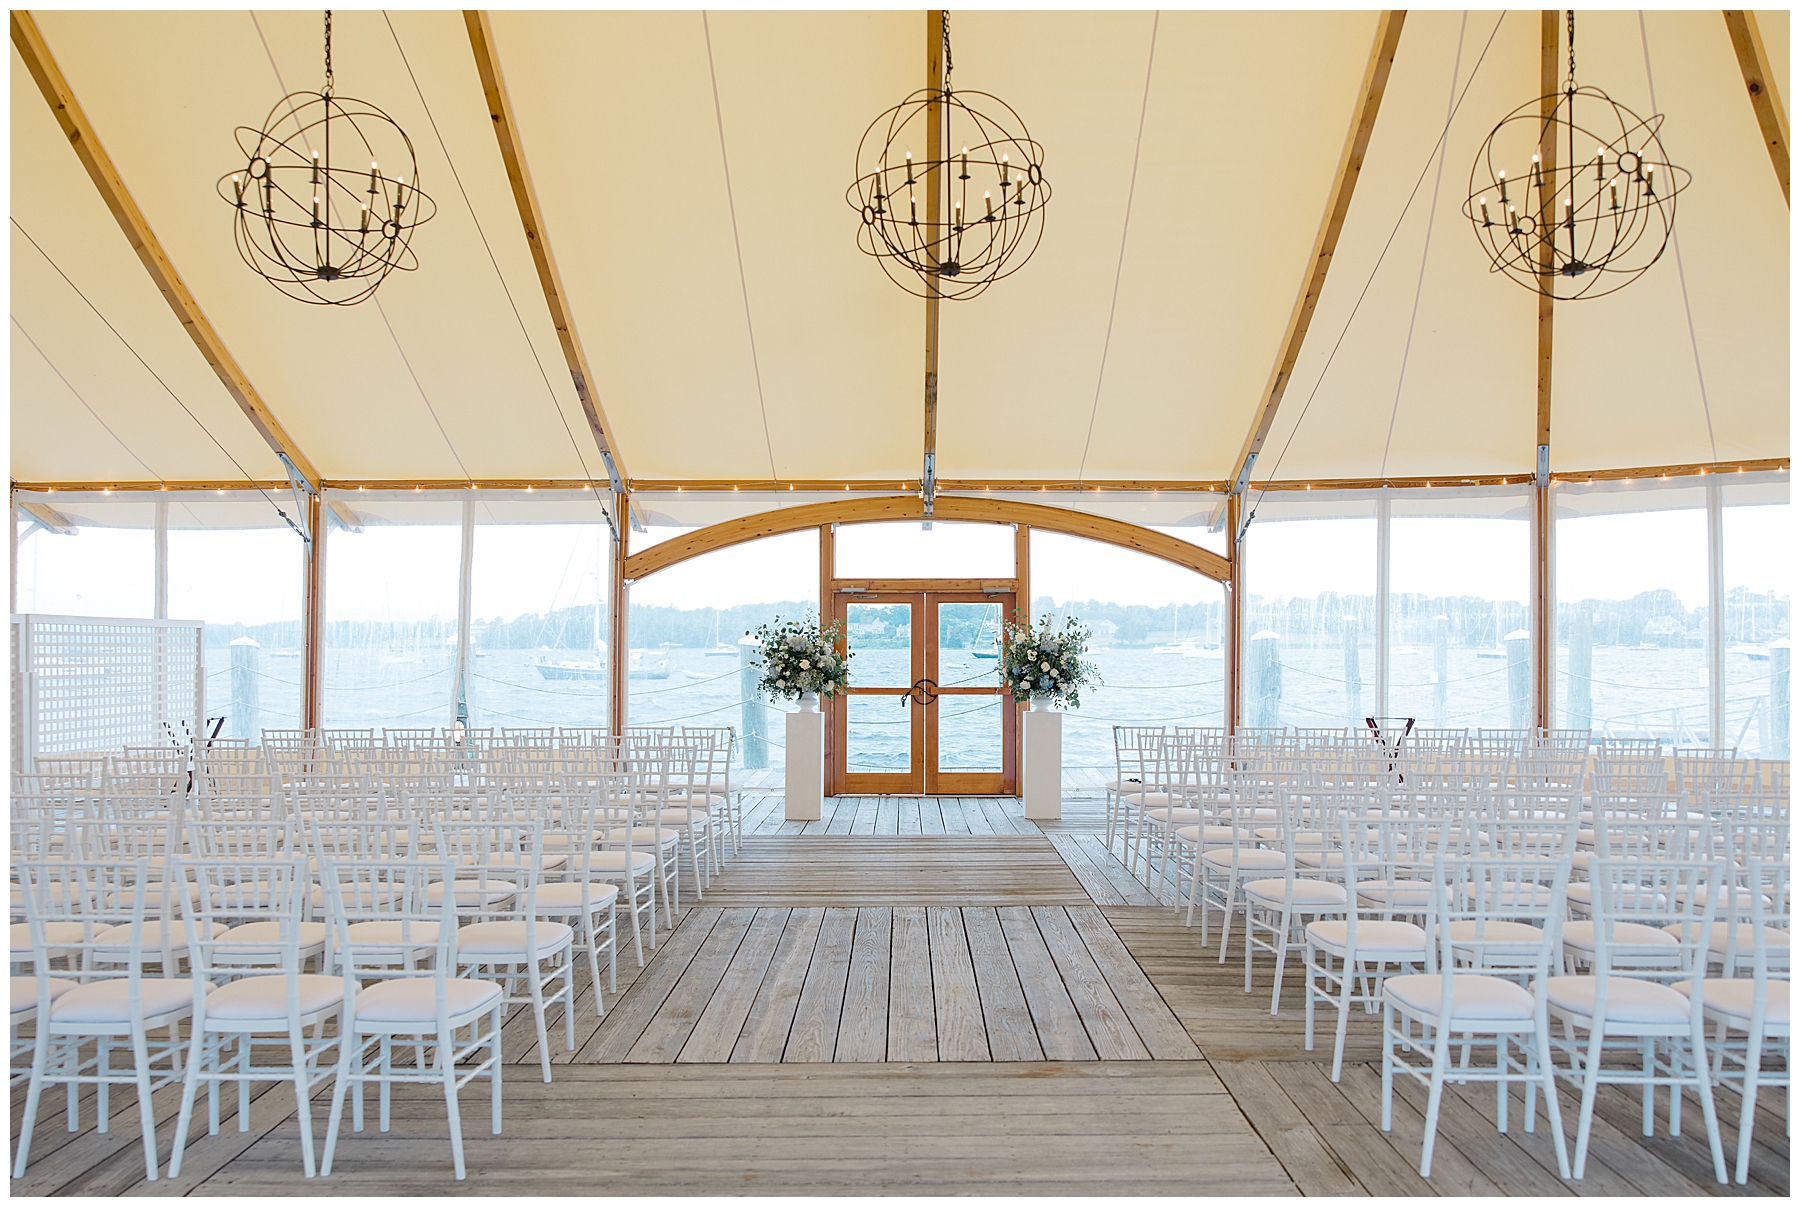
[1573, 225]
[949, 211]
[310, 218]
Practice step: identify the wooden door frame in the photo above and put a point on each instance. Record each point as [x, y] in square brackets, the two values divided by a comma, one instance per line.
[974, 783]
[838, 779]
[840, 593]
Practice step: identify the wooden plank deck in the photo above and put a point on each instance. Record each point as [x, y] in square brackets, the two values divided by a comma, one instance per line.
[938, 998]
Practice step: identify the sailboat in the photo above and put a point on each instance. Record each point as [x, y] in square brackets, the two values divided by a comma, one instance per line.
[991, 651]
[718, 649]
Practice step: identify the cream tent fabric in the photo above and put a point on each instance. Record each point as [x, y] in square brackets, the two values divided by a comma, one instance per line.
[691, 172]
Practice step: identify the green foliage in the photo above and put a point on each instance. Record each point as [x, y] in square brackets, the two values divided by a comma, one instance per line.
[1047, 664]
[799, 657]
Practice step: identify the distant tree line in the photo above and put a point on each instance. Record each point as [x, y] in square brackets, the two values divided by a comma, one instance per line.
[1652, 617]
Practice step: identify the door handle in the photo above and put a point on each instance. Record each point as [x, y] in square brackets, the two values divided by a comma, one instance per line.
[922, 692]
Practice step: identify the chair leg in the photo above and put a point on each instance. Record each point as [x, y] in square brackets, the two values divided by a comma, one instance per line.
[140, 1051]
[302, 1099]
[1546, 1069]
[190, 1084]
[40, 1063]
[447, 1066]
[1747, 1110]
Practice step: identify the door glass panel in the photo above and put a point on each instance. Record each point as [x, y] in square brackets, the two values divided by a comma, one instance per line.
[968, 644]
[878, 733]
[880, 637]
[908, 549]
[969, 737]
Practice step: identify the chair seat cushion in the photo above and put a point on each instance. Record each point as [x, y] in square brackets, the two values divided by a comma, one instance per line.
[109, 1001]
[1627, 939]
[414, 1000]
[1496, 937]
[1628, 1000]
[1248, 860]
[568, 895]
[55, 934]
[25, 993]
[1305, 894]
[1177, 814]
[262, 941]
[1472, 998]
[118, 938]
[1372, 937]
[1319, 859]
[1395, 894]
[1733, 1000]
[496, 940]
[1630, 896]
[1147, 800]
[474, 894]
[417, 934]
[678, 817]
[614, 861]
[644, 836]
[264, 998]
[1721, 939]
[1210, 836]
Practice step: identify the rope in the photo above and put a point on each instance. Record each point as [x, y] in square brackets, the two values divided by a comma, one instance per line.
[1124, 235]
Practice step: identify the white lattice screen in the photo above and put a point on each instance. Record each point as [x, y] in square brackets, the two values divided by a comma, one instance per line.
[87, 683]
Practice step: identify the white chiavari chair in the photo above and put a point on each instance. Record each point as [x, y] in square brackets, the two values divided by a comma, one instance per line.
[504, 939]
[1348, 958]
[1471, 991]
[254, 994]
[1278, 908]
[579, 891]
[1627, 1002]
[1747, 1012]
[114, 1001]
[399, 957]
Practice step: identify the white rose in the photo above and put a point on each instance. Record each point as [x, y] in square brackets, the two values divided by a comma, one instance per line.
[805, 665]
[1046, 665]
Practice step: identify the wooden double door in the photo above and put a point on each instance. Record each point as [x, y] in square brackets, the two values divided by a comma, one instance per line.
[924, 713]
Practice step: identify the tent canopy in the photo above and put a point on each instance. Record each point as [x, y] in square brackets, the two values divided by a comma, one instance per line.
[691, 172]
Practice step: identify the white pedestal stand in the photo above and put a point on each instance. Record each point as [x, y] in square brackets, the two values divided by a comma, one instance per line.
[1042, 764]
[805, 761]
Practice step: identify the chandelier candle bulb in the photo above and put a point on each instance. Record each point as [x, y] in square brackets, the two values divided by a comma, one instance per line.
[1485, 220]
[989, 199]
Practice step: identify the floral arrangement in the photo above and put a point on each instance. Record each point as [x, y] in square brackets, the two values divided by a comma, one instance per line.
[1049, 664]
[799, 657]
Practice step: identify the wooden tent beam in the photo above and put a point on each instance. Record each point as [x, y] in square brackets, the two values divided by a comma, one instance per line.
[101, 170]
[864, 488]
[1337, 207]
[1765, 97]
[52, 519]
[910, 507]
[934, 216]
[1543, 623]
[512, 152]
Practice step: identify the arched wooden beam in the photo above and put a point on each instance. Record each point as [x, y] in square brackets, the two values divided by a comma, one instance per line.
[908, 507]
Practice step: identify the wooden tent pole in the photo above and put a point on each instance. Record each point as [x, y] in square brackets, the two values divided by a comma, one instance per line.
[618, 657]
[312, 643]
[1234, 615]
[100, 169]
[531, 215]
[934, 217]
[1759, 81]
[1331, 225]
[1543, 622]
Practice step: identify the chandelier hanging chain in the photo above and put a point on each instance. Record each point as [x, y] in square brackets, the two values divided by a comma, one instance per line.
[949, 63]
[1571, 50]
[322, 230]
